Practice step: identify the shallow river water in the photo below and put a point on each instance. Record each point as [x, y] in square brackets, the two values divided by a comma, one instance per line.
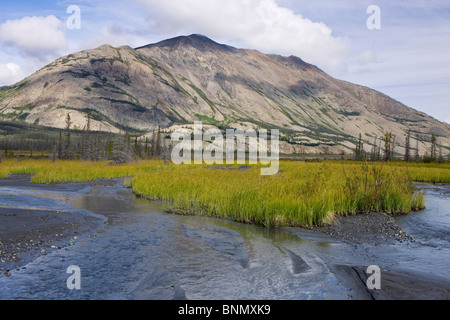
[140, 252]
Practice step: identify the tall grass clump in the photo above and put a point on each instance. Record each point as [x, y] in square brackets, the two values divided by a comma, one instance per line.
[300, 195]
[379, 188]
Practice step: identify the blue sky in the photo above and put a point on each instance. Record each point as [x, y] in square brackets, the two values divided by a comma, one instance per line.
[407, 59]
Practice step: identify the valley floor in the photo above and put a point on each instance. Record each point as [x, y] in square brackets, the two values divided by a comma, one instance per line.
[129, 249]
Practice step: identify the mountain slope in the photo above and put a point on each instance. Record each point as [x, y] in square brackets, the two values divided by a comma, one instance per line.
[181, 80]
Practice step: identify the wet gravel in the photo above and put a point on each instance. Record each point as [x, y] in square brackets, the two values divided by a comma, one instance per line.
[28, 234]
[372, 228]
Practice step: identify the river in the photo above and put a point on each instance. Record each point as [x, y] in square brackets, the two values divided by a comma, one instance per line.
[139, 252]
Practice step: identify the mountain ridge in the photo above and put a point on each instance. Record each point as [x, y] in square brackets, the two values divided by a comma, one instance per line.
[188, 78]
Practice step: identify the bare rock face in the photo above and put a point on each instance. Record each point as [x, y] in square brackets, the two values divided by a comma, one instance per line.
[186, 79]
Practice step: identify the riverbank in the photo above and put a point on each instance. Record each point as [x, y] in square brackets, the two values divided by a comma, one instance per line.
[26, 235]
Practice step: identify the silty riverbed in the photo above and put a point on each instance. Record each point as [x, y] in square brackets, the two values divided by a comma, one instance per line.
[129, 248]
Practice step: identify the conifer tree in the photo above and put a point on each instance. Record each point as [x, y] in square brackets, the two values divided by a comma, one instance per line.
[416, 156]
[433, 155]
[359, 152]
[86, 148]
[67, 152]
[408, 147]
[60, 148]
[373, 153]
[146, 148]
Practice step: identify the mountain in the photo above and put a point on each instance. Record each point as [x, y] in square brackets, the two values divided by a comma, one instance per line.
[189, 78]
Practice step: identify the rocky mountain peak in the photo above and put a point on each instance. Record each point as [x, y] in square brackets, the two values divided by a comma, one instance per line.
[197, 41]
[188, 78]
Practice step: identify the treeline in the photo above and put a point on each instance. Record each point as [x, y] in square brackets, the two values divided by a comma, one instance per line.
[383, 149]
[70, 144]
[11, 144]
[16, 136]
[123, 149]
[85, 144]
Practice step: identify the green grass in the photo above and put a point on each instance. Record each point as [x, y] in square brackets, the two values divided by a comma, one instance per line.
[419, 172]
[302, 194]
[45, 171]
[433, 175]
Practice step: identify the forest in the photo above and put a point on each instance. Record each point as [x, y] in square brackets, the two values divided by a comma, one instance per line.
[21, 140]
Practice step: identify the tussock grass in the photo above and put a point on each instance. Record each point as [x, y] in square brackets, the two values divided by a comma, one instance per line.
[432, 175]
[302, 194]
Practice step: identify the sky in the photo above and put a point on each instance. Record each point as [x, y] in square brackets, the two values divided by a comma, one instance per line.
[398, 47]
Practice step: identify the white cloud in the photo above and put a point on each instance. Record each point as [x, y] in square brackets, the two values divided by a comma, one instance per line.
[36, 37]
[256, 24]
[114, 34]
[367, 57]
[10, 73]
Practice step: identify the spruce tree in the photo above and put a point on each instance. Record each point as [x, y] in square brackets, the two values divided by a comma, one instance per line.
[146, 149]
[60, 148]
[433, 155]
[359, 151]
[373, 153]
[109, 149]
[86, 148]
[67, 153]
[153, 146]
[387, 146]
[416, 156]
[408, 147]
